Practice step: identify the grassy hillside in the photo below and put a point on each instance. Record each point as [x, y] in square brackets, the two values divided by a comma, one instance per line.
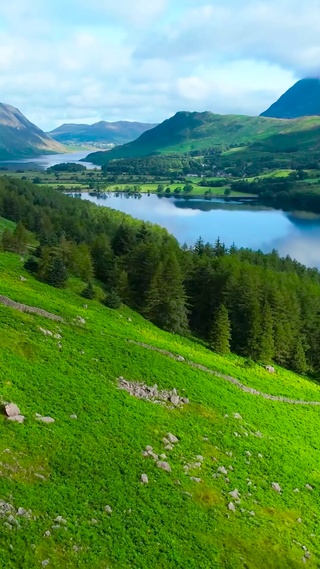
[19, 138]
[73, 468]
[196, 131]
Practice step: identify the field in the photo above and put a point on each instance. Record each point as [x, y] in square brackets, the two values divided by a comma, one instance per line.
[73, 468]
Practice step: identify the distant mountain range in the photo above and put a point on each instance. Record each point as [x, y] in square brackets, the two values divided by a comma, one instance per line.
[187, 131]
[19, 138]
[301, 100]
[101, 133]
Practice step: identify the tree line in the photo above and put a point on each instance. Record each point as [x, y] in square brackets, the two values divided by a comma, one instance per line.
[260, 306]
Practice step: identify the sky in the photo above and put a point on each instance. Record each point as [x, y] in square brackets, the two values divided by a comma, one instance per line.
[88, 60]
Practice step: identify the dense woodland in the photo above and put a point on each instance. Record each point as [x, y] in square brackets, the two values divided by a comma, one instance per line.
[256, 305]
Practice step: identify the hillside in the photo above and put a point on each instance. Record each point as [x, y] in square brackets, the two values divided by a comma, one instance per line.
[57, 479]
[302, 99]
[188, 131]
[19, 138]
[101, 132]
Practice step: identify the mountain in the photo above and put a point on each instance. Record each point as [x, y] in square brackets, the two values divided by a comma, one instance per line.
[19, 138]
[301, 100]
[187, 131]
[100, 133]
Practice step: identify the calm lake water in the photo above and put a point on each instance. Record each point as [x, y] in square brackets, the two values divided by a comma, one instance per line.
[296, 234]
[45, 161]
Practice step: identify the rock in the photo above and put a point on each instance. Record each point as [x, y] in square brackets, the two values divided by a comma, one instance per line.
[163, 456]
[248, 453]
[270, 369]
[164, 465]
[17, 418]
[252, 513]
[129, 320]
[45, 332]
[85, 306]
[260, 455]
[108, 509]
[57, 337]
[299, 520]
[40, 476]
[23, 279]
[194, 479]
[47, 533]
[149, 448]
[144, 479]
[7, 526]
[296, 490]
[231, 507]
[276, 487]
[94, 521]
[186, 401]
[234, 494]
[165, 441]
[168, 447]
[180, 359]
[12, 410]
[308, 487]
[45, 563]
[175, 400]
[60, 520]
[80, 320]
[200, 457]
[145, 453]
[46, 419]
[22, 512]
[73, 417]
[222, 470]
[153, 455]
[172, 438]
[237, 416]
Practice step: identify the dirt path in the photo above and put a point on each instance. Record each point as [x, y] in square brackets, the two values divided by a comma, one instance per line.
[232, 380]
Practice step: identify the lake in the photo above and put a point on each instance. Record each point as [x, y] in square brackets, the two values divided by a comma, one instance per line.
[292, 233]
[45, 161]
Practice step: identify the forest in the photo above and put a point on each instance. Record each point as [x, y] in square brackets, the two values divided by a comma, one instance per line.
[260, 306]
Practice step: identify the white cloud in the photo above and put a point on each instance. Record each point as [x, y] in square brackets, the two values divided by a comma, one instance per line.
[71, 60]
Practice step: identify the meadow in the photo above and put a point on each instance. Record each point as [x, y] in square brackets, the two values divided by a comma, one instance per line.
[73, 468]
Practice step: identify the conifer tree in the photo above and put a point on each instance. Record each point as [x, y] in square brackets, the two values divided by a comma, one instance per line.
[220, 334]
[266, 348]
[298, 358]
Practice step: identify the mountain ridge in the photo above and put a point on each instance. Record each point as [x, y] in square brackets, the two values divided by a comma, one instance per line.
[301, 100]
[20, 138]
[118, 132]
[187, 131]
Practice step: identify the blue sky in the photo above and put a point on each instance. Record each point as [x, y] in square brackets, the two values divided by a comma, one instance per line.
[83, 61]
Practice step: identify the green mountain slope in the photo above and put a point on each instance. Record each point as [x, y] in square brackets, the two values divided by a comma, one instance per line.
[101, 132]
[19, 138]
[302, 99]
[188, 131]
[65, 473]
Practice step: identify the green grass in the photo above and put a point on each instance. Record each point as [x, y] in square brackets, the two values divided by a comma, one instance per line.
[6, 224]
[96, 459]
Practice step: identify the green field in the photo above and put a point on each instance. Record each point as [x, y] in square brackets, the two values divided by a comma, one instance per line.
[74, 468]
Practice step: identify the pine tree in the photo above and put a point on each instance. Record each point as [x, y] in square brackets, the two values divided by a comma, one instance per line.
[112, 300]
[266, 348]
[221, 331]
[298, 358]
[166, 298]
[52, 269]
[88, 291]
[21, 237]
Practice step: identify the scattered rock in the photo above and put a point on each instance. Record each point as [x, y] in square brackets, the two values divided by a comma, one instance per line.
[172, 438]
[22, 512]
[94, 521]
[299, 520]
[237, 416]
[23, 279]
[47, 533]
[180, 359]
[85, 306]
[276, 487]
[144, 479]
[80, 320]
[149, 448]
[164, 465]
[252, 513]
[234, 494]
[12, 410]
[153, 455]
[45, 332]
[17, 418]
[73, 417]
[129, 320]
[308, 487]
[231, 507]
[260, 455]
[57, 337]
[296, 490]
[168, 447]
[270, 369]
[40, 476]
[222, 470]
[60, 520]
[45, 563]
[163, 456]
[46, 419]
[248, 453]
[194, 479]
[108, 509]
[200, 457]
[143, 391]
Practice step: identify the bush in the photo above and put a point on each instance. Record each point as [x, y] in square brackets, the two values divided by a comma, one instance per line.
[88, 292]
